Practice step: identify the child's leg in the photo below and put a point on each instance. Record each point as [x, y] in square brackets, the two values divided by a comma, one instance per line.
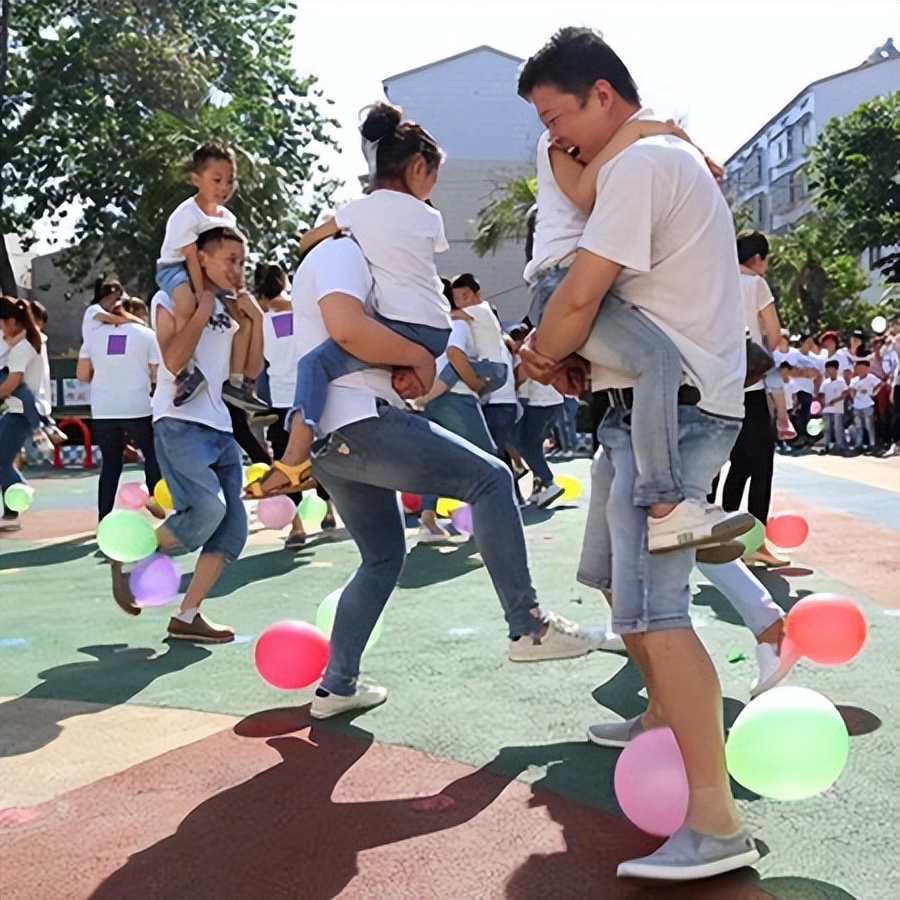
[628, 342]
[24, 394]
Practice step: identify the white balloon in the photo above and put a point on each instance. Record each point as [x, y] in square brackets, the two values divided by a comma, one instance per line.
[879, 324]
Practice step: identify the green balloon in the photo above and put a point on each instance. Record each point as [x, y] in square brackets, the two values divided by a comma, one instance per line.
[18, 497]
[125, 535]
[312, 509]
[754, 538]
[789, 744]
[325, 619]
[815, 427]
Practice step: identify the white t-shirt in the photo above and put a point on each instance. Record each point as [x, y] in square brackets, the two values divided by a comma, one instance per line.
[186, 224]
[337, 267]
[90, 321]
[830, 391]
[559, 221]
[790, 392]
[121, 356]
[460, 337]
[44, 405]
[802, 361]
[22, 358]
[213, 355]
[863, 387]
[537, 394]
[755, 297]
[399, 236]
[660, 215]
[280, 351]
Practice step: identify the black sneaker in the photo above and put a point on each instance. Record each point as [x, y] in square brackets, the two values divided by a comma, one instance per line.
[188, 384]
[243, 398]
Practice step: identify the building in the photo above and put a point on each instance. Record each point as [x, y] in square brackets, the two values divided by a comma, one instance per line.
[469, 103]
[766, 175]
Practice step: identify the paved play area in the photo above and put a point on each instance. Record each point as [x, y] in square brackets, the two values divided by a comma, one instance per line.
[131, 767]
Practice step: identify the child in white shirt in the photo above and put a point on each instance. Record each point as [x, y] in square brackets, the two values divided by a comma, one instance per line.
[863, 387]
[832, 393]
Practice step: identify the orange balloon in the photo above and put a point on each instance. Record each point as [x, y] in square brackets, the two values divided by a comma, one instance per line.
[787, 530]
[825, 628]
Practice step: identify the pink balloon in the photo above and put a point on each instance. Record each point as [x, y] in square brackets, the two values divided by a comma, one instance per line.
[132, 496]
[461, 517]
[276, 512]
[815, 408]
[787, 530]
[651, 782]
[825, 628]
[291, 655]
[154, 581]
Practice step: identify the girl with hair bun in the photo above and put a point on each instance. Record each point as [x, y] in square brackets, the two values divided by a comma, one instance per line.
[399, 232]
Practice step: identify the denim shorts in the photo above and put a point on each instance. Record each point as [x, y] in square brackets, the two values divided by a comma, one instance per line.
[541, 290]
[170, 275]
[203, 471]
[651, 591]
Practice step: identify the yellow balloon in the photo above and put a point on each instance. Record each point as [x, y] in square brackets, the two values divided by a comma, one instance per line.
[571, 486]
[254, 472]
[162, 496]
[446, 505]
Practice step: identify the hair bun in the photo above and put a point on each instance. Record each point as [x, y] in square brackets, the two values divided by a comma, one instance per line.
[381, 120]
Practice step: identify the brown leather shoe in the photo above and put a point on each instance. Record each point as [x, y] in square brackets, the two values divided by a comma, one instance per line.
[122, 589]
[720, 553]
[201, 630]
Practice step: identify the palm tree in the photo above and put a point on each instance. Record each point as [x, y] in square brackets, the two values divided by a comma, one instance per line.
[506, 216]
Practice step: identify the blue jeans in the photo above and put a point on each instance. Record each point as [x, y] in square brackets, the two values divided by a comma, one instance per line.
[170, 275]
[203, 471]
[864, 420]
[568, 430]
[329, 361]
[650, 591]
[25, 396]
[834, 430]
[14, 430]
[541, 290]
[362, 466]
[529, 436]
[501, 421]
[625, 340]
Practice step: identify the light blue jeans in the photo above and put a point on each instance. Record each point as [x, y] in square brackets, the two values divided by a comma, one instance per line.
[650, 591]
[14, 430]
[202, 469]
[864, 421]
[834, 430]
[362, 466]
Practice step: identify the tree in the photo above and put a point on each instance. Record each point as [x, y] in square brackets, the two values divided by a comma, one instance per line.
[854, 173]
[505, 216]
[102, 108]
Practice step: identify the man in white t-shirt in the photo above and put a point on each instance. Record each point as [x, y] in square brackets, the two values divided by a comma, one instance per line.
[661, 238]
[197, 453]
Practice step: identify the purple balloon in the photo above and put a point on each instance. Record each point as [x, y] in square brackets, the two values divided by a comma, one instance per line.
[154, 581]
[276, 512]
[461, 517]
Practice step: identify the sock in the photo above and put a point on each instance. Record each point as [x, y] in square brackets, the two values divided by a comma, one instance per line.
[236, 379]
[321, 692]
[188, 615]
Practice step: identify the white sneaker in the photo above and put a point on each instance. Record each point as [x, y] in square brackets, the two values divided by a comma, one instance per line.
[42, 443]
[564, 640]
[432, 534]
[773, 669]
[547, 494]
[366, 696]
[612, 643]
[695, 522]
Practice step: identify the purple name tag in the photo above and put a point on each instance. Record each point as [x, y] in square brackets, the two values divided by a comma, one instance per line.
[283, 324]
[115, 344]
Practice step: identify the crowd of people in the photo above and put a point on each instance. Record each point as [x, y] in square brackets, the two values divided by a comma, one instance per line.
[372, 375]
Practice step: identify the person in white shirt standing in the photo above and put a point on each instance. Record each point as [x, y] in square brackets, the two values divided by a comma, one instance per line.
[863, 387]
[120, 362]
[832, 393]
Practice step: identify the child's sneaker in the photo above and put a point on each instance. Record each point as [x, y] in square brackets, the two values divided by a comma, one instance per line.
[243, 398]
[695, 522]
[188, 384]
[42, 443]
[545, 494]
[432, 534]
[56, 435]
[367, 695]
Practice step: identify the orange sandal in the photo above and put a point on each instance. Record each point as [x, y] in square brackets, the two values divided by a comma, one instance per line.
[298, 479]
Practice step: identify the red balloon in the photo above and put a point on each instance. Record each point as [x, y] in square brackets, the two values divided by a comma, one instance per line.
[825, 628]
[291, 655]
[412, 503]
[787, 530]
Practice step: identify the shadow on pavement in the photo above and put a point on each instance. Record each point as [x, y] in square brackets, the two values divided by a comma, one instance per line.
[859, 721]
[114, 676]
[434, 563]
[253, 569]
[279, 834]
[49, 555]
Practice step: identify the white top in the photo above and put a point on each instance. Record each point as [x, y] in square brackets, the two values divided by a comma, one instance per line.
[802, 361]
[559, 221]
[755, 297]
[22, 358]
[842, 355]
[790, 392]
[863, 387]
[537, 394]
[46, 381]
[661, 215]
[186, 224]
[121, 356]
[460, 337]
[213, 355]
[90, 321]
[506, 393]
[488, 339]
[280, 351]
[337, 266]
[830, 391]
[399, 236]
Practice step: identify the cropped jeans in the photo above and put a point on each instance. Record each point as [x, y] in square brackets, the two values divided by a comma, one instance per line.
[363, 465]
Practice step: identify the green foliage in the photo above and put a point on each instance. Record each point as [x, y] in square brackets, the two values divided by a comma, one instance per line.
[854, 173]
[505, 216]
[103, 108]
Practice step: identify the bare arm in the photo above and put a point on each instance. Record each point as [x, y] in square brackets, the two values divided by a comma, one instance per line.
[117, 317]
[317, 235]
[179, 334]
[771, 326]
[195, 273]
[84, 370]
[463, 367]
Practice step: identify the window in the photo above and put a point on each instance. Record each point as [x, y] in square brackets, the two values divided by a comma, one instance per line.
[789, 143]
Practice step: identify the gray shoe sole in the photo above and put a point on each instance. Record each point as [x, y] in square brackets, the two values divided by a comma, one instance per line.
[638, 869]
[719, 534]
[549, 497]
[320, 714]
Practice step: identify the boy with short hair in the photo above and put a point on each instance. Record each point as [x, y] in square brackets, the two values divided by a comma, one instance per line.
[863, 386]
[832, 393]
[213, 173]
